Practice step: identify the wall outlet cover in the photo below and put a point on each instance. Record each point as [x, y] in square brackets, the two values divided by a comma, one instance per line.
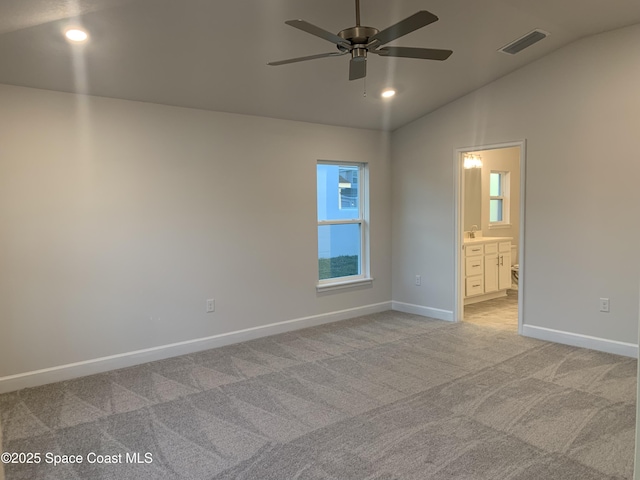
[604, 305]
[211, 305]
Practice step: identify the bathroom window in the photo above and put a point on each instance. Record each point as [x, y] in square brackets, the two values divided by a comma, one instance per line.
[342, 224]
[498, 199]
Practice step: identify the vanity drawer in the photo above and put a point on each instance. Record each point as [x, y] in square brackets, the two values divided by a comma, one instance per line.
[474, 266]
[473, 250]
[475, 285]
[504, 247]
[491, 248]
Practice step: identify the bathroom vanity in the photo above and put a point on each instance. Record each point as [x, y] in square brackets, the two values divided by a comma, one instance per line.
[487, 268]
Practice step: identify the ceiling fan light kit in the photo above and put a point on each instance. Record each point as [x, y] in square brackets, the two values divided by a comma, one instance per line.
[359, 41]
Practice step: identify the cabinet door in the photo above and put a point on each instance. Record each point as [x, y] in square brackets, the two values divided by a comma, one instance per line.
[504, 271]
[490, 273]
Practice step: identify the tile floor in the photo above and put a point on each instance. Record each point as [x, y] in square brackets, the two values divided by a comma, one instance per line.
[500, 313]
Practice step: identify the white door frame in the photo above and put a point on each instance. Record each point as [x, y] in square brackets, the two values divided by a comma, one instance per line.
[458, 309]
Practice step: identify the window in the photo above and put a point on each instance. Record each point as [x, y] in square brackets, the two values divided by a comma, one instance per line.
[342, 225]
[498, 199]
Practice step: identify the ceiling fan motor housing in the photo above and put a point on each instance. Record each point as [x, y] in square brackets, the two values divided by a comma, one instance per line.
[357, 36]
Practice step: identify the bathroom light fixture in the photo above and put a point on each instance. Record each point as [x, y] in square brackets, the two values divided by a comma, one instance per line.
[76, 35]
[388, 93]
[472, 160]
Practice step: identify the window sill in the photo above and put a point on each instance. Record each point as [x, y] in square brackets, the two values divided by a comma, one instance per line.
[341, 285]
[498, 226]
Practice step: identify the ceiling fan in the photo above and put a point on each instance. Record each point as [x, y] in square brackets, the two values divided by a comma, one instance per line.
[359, 40]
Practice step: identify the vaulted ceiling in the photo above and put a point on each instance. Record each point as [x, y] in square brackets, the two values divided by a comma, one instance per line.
[212, 54]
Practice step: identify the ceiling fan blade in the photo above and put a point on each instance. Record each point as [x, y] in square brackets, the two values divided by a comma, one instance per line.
[310, 57]
[403, 27]
[357, 68]
[411, 52]
[318, 32]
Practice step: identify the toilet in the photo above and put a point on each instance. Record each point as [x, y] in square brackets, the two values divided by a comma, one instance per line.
[515, 267]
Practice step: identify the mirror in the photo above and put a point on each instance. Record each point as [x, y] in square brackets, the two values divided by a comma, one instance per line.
[472, 198]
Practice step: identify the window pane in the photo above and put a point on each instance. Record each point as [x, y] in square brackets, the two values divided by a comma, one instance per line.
[338, 192]
[495, 210]
[495, 185]
[338, 250]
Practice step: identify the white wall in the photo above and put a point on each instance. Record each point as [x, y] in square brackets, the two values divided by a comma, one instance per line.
[579, 111]
[118, 220]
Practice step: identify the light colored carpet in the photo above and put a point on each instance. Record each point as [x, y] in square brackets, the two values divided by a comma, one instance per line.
[387, 396]
[1, 463]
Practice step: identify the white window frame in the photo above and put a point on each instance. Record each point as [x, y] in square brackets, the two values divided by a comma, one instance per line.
[505, 182]
[363, 220]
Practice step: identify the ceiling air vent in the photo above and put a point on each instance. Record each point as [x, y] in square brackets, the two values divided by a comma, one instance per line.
[524, 42]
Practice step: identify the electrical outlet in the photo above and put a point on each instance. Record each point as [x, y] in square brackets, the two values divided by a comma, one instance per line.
[604, 305]
[211, 305]
[418, 280]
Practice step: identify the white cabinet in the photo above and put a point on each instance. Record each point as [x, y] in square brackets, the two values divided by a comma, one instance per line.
[497, 266]
[474, 270]
[487, 272]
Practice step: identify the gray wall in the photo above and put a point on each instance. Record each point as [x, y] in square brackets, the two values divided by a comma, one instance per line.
[119, 219]
[579, 111]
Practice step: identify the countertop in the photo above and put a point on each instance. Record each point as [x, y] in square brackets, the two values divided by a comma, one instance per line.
[471, 241]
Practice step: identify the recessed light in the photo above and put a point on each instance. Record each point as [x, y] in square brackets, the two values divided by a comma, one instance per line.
[76, 35]
[388, 93]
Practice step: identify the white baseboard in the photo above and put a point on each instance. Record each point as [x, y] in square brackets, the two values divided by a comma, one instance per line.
[98, 365]
[578, 340]
[436, 313]
[485, 297]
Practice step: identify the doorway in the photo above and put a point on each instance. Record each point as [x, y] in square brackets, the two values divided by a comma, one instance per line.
[490, 208]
